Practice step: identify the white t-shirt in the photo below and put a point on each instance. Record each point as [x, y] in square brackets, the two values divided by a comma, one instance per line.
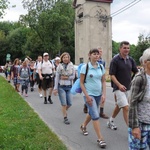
[36, 66]
[46, 67]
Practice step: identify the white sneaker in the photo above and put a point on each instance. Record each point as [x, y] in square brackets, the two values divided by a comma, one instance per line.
[40, 95]
[111, 125]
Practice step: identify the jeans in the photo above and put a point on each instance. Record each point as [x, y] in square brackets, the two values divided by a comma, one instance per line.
[65, 95]
[93, 110]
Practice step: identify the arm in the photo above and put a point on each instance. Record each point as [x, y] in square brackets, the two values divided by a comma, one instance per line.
[120, 86]
[103, 89]
[133, 114]
[88, 98]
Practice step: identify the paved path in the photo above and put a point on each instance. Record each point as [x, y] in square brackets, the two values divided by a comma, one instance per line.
[71, 134]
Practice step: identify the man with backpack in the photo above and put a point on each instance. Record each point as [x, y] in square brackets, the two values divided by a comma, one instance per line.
[45, 70]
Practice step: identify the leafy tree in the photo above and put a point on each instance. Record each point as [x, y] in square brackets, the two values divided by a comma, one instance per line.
[3, 7]
[52, 21]
[17, 39]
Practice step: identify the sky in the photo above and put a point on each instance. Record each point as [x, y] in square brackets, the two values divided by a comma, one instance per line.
[125, 26]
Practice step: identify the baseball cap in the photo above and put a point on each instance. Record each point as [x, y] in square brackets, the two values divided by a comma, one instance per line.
[57, 58]
[45, 54]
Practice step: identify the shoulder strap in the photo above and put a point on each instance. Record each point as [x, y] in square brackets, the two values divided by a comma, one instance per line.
[87, 68]
[101, 66]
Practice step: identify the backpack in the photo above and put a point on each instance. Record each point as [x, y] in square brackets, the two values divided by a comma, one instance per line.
[24, 72]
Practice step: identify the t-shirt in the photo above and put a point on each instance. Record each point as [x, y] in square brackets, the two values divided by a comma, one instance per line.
[46, 67]
[93, 82]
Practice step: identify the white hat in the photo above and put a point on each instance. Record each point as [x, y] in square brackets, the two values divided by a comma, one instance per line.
[57, 58]
[45, 54]
[26, 59]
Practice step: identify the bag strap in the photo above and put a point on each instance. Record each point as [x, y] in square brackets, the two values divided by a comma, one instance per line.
[87, 68]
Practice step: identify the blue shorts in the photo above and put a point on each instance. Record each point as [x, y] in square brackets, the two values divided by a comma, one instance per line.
[93, 110]
[65, 95]
[136, 144]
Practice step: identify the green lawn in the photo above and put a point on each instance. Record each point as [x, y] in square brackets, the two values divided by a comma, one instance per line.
[20, 126]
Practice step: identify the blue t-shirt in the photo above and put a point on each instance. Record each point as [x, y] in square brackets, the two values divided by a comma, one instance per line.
[93, 83]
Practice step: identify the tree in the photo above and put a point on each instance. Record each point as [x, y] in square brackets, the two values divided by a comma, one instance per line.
[52, 21]
[3, 7]
[17, 39]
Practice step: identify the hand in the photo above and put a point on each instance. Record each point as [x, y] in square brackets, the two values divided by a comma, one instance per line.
[103, 99]
[89, 100]
[41, 78]
[136, 132]
[55, 92]
[122, 88]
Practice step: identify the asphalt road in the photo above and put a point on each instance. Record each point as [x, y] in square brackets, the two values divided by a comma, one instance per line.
[71, 134]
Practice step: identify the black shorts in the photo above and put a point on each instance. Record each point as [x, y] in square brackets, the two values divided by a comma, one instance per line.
[47, 82]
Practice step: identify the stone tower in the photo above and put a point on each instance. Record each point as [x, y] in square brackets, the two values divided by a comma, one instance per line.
[92, 29]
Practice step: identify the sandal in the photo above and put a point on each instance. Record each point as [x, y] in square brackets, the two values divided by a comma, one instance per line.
[83, 129]
[66, 121]
[101, 143]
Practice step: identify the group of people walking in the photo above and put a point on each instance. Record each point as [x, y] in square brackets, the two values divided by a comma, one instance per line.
[57, 76]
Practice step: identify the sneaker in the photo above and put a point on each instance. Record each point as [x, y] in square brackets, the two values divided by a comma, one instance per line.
[40, 95]
[83, 129]
[101, 143]
[66, 121]
[32, 89]
[111, 125]
[26, 95]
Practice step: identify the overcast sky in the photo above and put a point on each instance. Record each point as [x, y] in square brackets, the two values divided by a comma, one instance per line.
[125, 26]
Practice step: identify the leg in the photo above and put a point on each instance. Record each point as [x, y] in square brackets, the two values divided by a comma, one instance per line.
[50, 91]
[102, 115]
[63, 101]
[125, 114]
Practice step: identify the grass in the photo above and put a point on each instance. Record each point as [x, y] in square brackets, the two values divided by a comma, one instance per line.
[20, 127]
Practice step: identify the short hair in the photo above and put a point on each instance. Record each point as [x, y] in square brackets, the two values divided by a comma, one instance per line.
[124, 43]
[99, 47]
[94, 50]
[146, 55]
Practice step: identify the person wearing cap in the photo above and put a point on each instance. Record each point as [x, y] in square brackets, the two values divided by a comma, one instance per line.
[56, 62]
[63, 82]
[45, 70]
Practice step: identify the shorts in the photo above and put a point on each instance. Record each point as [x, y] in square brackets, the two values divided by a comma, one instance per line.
[93, 110]
[136, 144]
[65, 95]
[122, 98]
[47, 83]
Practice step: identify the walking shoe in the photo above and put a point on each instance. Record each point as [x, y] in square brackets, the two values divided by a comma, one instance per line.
[26, 95]
[111, 125]
[66, 121]
[101, 143]
[32, 89]
[40, 95]
[50, 101]
[104, 116]
[83, 129]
